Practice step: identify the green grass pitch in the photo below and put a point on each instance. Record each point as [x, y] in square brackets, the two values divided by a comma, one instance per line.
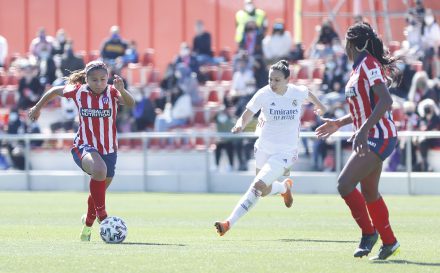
[39, 232]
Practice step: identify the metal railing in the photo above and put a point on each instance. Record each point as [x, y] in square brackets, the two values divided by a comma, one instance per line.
[406, 136]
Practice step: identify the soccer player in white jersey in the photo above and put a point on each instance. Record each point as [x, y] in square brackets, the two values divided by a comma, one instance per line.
[276, 149]
[374, 139]
[95, 144]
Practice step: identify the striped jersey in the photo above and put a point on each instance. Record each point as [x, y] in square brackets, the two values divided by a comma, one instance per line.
[361, 99]
[97, 117]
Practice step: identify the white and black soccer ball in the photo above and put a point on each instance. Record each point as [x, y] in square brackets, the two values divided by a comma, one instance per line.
[113, 230]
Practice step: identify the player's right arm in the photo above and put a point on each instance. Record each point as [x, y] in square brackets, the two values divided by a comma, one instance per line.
[34, 112]
[245, 118]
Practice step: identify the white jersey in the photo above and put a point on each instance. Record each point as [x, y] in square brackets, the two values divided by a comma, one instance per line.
[280, 118]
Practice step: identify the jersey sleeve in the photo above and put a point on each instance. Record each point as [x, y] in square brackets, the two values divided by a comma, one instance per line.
[115, 93]
[255, 103]
[70, 90]
[373, 71]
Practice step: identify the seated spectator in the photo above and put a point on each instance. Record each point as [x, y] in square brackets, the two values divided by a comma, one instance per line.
[143, 113]
[58, 44]
[202, 44]
[421, 88]
[113, 47]
[177, 111]
[41, 46]
[186, 57]
[187, 81]
[30, 88]
[323, 44]
[430, 121]
[430, 42]
[67, 121]
[243, 85]
[277, 45]
[69, 62]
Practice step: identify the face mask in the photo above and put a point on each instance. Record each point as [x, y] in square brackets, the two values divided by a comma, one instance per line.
[222, 118]
[429, 20]
[249, 7]
[184, 52]
[61, 38]
[13, 117]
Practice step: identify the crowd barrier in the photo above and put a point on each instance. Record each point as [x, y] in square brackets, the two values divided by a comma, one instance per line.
[142, 169]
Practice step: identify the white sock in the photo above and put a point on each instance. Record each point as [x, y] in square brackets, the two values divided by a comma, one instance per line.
[247, 201]
[278, 187]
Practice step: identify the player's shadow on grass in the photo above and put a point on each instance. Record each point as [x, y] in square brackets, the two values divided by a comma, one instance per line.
[406, 262]
[150, 244]
[316, 241]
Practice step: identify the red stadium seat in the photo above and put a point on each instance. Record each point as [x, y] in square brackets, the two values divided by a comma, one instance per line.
[318, 72]
[213, 96]
[226, 54]
[199, 117]
[303, 73]
[226, 72]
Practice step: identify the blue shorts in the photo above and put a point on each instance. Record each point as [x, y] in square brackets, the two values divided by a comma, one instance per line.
[110, 159]
[383, 147]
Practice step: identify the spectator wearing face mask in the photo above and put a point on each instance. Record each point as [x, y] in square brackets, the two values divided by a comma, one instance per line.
[113, 47]
[186, 57]
[69, 61]
[430, 42]
[430, 121]
[248, 13]
[59, 43]
[30, 88]
[277, 45]
[41, 46]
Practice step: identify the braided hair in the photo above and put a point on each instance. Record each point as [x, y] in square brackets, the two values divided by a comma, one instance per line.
[364, 38]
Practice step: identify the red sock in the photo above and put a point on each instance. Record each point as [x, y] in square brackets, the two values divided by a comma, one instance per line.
[356, 202]
[379, 214]
[97, 191]
[91, 212]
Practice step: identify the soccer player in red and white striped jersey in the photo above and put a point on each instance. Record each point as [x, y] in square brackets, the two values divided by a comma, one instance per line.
[374, 139]
[95, 144]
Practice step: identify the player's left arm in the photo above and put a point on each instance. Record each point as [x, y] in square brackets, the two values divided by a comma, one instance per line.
[320, 108]
[125, 96]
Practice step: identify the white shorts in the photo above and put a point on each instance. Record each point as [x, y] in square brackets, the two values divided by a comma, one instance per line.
[273, 166]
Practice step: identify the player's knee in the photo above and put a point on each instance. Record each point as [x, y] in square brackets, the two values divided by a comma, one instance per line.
[99, 172]
[343, 188]
[261, 187]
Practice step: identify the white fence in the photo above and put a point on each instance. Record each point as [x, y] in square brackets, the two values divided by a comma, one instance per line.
[139, 173]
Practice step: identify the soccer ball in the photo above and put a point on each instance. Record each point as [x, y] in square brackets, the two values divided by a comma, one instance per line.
[113, 230]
